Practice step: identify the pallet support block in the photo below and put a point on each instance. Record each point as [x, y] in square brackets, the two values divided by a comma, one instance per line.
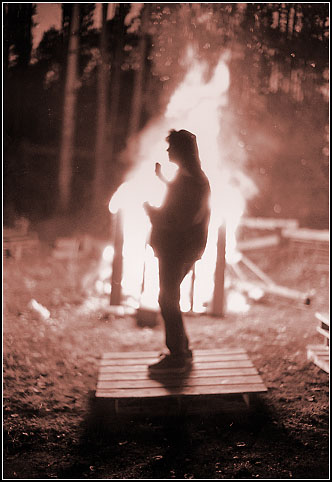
[324, 327]
[216, 379]
[320, 354]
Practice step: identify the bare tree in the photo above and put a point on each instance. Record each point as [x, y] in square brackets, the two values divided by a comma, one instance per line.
[102, 95]
[137, 96]
[68, 125]
[119, 34]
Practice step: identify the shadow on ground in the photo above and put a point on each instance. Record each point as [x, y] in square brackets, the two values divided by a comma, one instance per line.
[238, 444]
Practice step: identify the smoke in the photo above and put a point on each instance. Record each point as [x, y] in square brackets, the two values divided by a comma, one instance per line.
[200, 105]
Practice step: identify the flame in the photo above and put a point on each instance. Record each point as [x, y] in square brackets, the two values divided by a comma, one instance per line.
[236, 302]
[104, 271]
[197, 105]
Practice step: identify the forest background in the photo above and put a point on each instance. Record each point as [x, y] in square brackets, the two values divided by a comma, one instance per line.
[72, 104]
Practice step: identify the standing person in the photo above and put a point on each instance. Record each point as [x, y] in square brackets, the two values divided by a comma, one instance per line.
[178, 238]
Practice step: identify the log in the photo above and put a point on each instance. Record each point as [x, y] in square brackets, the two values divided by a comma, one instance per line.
[269, 223]
[219, 277]
[257, 271]
[116, 279]
[307, 234]
[258, 243]
[275, 289]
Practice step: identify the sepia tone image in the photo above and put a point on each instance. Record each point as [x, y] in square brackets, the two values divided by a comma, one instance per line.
[166, 240]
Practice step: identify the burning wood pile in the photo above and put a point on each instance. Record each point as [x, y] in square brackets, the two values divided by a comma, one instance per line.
[248, 277]
[225, 263]
[238, 275]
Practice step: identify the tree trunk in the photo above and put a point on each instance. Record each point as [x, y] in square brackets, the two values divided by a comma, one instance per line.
[68, 124]
[116, 77]
[6, 40]
[137, 94]
[103, 77]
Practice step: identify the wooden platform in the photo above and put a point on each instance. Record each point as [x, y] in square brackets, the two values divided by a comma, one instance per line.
[319, 354]
[217, 374]
[14, 244]
[324, 326]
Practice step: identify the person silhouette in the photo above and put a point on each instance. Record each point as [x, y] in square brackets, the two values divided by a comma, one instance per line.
[178, 237]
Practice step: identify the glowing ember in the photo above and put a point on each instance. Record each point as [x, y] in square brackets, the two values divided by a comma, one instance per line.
[236, 302]
[108, 253]
[256, 293]
[196, 105]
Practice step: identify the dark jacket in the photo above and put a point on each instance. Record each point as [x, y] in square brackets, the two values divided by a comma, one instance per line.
[180, 225]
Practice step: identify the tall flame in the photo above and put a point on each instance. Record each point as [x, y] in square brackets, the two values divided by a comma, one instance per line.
[196, 105]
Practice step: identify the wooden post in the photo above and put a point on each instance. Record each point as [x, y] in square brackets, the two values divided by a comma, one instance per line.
[117, 262]
[219, 277]
[192, 289]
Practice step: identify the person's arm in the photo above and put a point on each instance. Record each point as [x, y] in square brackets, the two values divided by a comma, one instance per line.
[150, 211]
[159, 174]
[154, 213]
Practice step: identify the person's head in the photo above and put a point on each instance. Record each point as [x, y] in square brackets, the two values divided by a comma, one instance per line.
[183, 149]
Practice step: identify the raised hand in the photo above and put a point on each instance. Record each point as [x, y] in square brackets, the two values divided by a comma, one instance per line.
[157, 169]
[159, 174]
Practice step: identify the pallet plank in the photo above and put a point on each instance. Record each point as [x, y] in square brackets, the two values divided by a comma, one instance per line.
[149, 354]
[222, 372]
[149, 360]
[217, 372]
[206, 365]
[319, 355]
[14, 243]
[163, 391]
[323, 317]
[177, 383]
[323, 332]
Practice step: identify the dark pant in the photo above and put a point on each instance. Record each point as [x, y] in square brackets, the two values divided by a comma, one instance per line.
[171, 274]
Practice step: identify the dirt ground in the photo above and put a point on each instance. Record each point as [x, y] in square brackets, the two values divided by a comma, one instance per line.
[50, 373]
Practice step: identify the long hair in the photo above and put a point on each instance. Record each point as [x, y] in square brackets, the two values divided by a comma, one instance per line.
[185, 146]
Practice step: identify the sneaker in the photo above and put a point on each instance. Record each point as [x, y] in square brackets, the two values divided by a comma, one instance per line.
[172, 364]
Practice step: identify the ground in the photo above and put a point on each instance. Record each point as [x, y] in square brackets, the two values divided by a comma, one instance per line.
[50, 373]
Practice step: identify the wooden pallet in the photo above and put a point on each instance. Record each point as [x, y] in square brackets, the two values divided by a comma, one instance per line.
[319, 355]
[216, 375]
[15, 244]
[324, 326]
